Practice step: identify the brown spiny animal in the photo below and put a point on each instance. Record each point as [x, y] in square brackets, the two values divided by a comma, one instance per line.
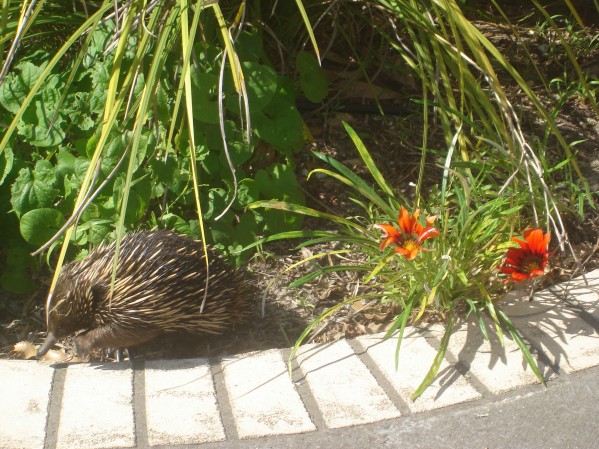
[159, 288]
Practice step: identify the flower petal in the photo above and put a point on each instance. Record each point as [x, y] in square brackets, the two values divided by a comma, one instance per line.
[517, 276]
[430, 220]
[522, 243]
[391, 236]
[409, 254]
[428, 233]
[402, 251]
[514, 257]
[537, 241]
[505, 269]
[405, 221]
[388, 229]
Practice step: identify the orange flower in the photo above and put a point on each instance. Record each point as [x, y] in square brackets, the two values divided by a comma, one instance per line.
[530, 259]
[408, 239]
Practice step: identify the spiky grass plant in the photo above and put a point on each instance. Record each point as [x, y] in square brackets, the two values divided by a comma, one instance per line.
[443, 256]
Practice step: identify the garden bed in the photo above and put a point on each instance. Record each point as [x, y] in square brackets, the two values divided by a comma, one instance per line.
[393, 142]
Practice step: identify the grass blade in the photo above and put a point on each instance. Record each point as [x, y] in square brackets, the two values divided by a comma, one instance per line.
[374, 171]
[306, 20]
[521, 344]
[357, 183]
[297, 209]
[434, 369]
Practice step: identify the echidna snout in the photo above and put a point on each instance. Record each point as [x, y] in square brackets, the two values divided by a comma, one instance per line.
[62, 317]
[47, 344]
[159, 288]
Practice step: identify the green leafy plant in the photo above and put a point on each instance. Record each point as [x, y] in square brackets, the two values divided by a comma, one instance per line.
[138, 118]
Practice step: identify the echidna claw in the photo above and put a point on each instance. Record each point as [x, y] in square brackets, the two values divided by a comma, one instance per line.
[119, 354]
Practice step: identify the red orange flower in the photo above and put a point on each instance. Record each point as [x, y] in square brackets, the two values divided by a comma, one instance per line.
[530, 259]
[407, 241]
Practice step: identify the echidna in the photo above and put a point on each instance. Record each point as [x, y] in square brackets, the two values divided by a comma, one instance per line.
[159, 288]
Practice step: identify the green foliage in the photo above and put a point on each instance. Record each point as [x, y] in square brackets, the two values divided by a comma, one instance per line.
[99, 128]
[41, 124]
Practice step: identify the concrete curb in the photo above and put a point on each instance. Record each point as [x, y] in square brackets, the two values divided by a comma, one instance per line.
[346, 383]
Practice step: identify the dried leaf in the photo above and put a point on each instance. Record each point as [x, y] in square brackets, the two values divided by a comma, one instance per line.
[306, 253]
[25, 349]
[54, 356]
[357, 306]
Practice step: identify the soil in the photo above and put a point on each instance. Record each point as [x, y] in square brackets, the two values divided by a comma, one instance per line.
[282, 313]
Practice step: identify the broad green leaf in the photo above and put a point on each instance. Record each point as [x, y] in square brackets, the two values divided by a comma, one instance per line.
[172, 221]
[18, 84]
[164, 103]
[34, 189]
[38, 129]
[65, 163]
[276, 221]
[262, 82]
[163, 171]
[100, 80]
[39, 225]
[78, 110]
[313, 78]
[209, 160]
[247, 193]
[217, 199]
[249, 44]
[280, 123]
[246, 229]
[35, 123]
[101, 36]
[283, 130]
[121, 143]
[279, 182]
[221, 231]
[81, 166]
[205, 96]
[96, 230]
[239, 150]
